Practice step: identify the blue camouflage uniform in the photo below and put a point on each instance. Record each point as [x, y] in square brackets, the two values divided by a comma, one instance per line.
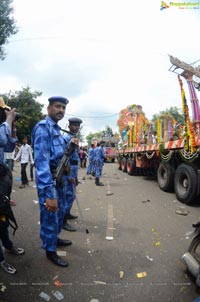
[98, 160]
[49, 147]
[91, 160]
[70, 187]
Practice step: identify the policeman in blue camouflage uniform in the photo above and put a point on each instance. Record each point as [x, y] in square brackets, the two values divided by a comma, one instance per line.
[98, 162]
[91, 159]
[71, 180]
[49, 147]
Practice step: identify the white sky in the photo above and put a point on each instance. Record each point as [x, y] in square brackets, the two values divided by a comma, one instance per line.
[103, 55]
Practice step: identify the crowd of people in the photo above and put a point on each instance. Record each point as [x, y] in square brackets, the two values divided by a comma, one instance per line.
[56, 195]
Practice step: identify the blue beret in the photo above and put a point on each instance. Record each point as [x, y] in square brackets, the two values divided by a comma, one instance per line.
[58, 99]
[75, 120]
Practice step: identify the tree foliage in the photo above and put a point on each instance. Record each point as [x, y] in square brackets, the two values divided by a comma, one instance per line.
[29, 109]
[7, 25]
[100, 135]
[93, 136]
[175, 112]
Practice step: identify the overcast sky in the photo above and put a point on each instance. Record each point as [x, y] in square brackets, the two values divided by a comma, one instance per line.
[103, 55]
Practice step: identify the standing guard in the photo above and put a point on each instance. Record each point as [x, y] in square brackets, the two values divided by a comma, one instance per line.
[91, 159]
[98, 162]
[49, 147]
[71, 180]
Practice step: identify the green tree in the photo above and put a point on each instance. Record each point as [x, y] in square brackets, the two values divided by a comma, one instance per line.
[29, 109]
[175, 112]
[93, 136]
[7, 25]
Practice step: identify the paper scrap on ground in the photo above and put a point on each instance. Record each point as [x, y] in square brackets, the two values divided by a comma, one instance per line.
[44, 296]
[141, 275]
[62, 253]
[182, 211]
[58, 283]
[58, 295]
[100, 282]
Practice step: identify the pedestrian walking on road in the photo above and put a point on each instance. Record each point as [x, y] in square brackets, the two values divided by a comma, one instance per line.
[25, 156]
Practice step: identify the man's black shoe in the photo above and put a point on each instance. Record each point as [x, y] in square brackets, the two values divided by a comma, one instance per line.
[62, 242]
[99, 184]
[70, 216]
[69, 227]
[52, 256]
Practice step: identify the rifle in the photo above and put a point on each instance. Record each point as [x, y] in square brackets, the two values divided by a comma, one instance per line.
[66, 156]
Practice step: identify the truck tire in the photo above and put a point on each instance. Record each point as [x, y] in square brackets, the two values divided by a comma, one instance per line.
[185, 183]
[119, 162]
[165, 177]
[131, 169]
[124, 164]
[194, 248]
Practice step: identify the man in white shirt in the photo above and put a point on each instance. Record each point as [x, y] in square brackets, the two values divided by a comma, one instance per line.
[25, 154]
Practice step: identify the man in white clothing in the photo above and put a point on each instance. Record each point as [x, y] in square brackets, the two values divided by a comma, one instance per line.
[25, 154]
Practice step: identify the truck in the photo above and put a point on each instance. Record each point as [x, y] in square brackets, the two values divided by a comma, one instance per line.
[165, 149]
[110, 148]
[110, 144]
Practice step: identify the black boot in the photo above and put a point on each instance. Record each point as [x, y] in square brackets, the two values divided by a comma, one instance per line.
[97, 182]
[68, 227]
[70, 216]
[65, 219]
[52, 256]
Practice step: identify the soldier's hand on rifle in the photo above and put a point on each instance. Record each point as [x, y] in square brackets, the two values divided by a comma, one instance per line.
[72, 180]
[75, 140]
[51, 205]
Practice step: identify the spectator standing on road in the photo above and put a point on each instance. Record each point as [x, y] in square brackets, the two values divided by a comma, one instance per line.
[85, 156]
[25, 155]
[49, 146]
[71, 180]
[7, 144]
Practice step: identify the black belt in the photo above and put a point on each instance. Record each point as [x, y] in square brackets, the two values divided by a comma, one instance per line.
[74, 162]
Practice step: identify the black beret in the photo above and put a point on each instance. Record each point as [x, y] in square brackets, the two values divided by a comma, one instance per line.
[75, 120]
[58, 99]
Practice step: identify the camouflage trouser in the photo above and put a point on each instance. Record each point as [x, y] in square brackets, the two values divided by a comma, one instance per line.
[98, 167]
[69, 197]
[51, 222]
[69, 189]
[90, 166]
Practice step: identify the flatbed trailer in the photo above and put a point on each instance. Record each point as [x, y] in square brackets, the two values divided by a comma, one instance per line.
[175, 163]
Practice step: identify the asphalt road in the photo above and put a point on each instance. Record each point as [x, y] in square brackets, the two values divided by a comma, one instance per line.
[131, 253]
